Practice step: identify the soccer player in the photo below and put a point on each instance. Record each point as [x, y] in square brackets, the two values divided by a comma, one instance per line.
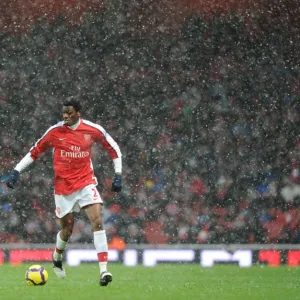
[74, 179]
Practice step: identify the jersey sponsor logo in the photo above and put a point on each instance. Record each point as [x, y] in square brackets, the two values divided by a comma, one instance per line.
[75, 148]
[71, 154]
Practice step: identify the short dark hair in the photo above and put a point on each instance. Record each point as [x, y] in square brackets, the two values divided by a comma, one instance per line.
[72, 102]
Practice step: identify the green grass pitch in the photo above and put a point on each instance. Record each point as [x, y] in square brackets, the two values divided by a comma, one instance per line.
[164, 281]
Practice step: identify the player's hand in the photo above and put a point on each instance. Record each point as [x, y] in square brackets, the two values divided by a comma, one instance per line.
[12, 179]
[117, 183]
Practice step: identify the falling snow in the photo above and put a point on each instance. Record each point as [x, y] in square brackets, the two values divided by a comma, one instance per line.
[202, 99]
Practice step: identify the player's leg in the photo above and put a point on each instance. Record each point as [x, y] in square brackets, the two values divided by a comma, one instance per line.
[94, 213]
[65, 205]
[67, 223]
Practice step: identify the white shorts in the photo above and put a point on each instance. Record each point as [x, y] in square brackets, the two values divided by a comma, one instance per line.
[74, 202]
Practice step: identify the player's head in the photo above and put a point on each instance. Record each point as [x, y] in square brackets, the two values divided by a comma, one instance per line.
[71, 111]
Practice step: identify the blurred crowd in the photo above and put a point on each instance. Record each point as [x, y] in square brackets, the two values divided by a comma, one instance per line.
[207, 120]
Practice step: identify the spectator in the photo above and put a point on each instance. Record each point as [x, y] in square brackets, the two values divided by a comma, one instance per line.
[210, 109]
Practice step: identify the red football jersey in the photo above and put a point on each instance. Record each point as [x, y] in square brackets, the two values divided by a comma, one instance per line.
[72, 153]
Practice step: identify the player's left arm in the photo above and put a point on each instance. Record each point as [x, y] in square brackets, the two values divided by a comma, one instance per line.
[115, 153]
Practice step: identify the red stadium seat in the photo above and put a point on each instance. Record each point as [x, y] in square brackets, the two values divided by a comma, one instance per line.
[154, 233]
[273, 231]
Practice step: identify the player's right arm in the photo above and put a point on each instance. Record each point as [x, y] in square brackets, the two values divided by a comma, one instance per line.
[39, 147]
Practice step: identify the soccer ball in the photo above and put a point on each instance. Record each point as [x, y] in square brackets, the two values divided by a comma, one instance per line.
[36, 275]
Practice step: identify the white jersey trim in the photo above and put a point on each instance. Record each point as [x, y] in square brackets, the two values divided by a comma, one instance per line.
[27, 159]
[117, 161]
[59, 124]
[118, 164]
[109, 139]
[24, 163]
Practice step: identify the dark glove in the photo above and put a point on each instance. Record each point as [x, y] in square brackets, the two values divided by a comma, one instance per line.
[117, 183]
[13, 178]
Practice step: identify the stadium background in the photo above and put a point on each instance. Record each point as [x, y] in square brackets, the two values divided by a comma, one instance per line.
[202, 98]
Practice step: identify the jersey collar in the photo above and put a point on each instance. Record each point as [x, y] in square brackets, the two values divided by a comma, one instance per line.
[73, 127]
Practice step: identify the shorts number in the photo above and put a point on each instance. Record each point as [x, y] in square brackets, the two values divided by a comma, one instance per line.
[95, 197]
